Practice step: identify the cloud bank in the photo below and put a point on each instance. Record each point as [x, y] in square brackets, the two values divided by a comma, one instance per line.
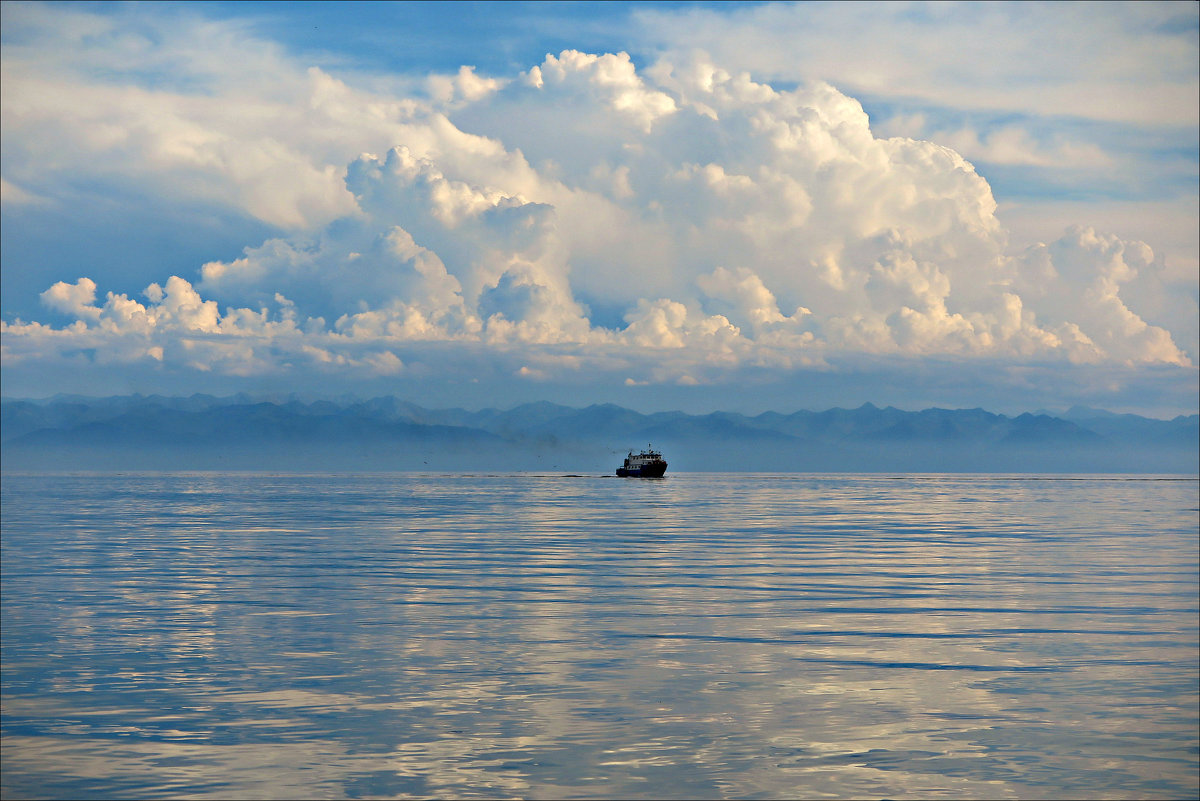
[677, 224]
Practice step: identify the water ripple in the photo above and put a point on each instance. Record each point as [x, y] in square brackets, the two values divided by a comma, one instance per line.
[532, 635]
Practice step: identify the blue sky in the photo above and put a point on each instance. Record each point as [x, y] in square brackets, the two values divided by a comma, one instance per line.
[671, 205]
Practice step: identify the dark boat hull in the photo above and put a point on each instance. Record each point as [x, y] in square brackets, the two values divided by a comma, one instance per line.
[646, 471]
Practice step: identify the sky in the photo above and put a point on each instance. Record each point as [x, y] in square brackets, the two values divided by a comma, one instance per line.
[686, 206]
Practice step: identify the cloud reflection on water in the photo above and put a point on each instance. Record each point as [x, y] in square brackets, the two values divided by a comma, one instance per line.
[518, 636]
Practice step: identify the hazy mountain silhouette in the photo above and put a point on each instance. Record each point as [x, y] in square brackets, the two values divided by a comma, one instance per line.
[387, 433]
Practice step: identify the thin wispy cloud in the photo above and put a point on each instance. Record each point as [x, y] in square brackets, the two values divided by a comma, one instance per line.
[1119, 62]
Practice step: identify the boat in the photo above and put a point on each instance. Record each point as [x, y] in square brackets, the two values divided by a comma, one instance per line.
[647, 464]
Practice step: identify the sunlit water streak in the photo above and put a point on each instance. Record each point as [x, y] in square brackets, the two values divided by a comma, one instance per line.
[256, 635]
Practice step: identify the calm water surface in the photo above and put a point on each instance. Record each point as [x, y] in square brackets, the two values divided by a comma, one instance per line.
[700, 636]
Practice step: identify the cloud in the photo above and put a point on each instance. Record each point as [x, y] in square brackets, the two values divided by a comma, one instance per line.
[1121, 62]
[466, 86]
[1008, 145]
[13, 195]
[1059, 104]
[725, 223]
[610, 79]
[74, 299]
[196, 111]
[1077, 282]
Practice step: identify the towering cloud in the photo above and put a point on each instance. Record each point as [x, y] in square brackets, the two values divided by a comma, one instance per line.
[671, 224]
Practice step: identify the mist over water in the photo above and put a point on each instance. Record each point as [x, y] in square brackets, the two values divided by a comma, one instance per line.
[550, 636]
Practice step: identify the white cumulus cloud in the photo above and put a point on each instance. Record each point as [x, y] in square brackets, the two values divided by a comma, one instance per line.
[722, 222]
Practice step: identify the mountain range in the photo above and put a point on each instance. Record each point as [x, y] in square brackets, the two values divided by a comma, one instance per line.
[387, 433]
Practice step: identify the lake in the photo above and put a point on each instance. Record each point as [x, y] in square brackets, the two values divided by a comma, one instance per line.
[259, 635]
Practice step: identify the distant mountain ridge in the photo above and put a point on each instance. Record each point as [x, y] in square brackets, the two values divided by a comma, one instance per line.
[384, 433]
